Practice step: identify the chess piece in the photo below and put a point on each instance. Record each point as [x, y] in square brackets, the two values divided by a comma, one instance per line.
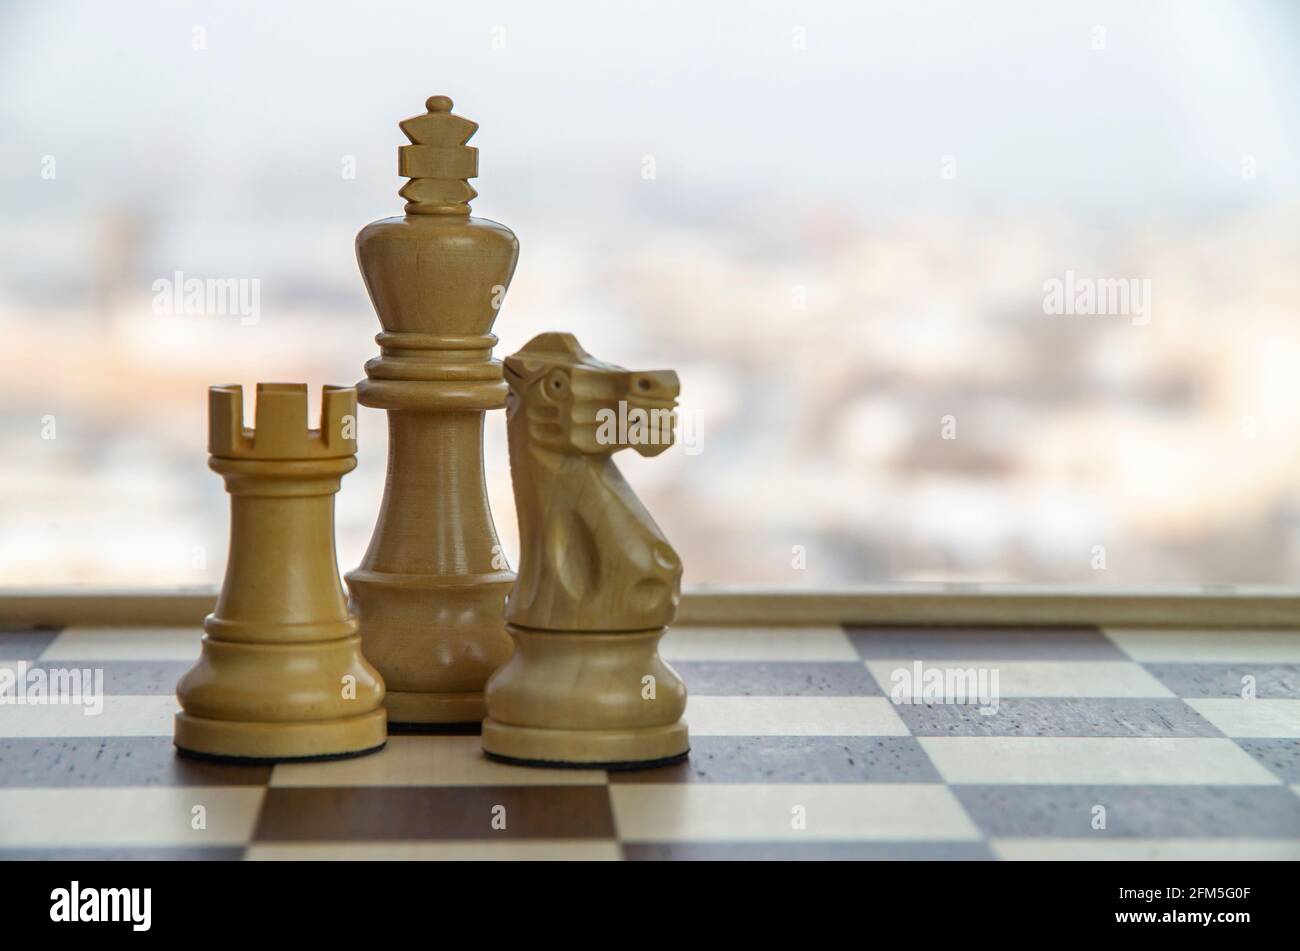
[431, 588]
[598, 582]
[281, 675]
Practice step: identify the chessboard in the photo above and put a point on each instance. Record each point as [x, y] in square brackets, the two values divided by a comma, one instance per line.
[1103, 744]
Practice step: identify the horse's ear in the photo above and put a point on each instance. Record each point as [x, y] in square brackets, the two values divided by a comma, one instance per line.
[557, 344]
[523, 367]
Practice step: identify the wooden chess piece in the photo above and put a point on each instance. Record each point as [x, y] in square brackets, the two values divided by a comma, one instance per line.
[281, 675]
[598, 582]
[431, 588]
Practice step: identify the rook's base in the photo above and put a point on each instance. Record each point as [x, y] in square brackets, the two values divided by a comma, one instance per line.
[280, 742]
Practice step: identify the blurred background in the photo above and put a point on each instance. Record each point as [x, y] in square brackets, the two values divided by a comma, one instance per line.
[840, 222]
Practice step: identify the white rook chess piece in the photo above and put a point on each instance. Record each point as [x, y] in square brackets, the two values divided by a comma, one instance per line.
[281, 675]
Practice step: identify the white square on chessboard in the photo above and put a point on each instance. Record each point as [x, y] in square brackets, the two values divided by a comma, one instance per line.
[125, 643]
[1040, 678]
[756, 644]
[1208, 646]
[134, 816]
[759, 812]
[1251, 718]
[1125, 760]
[429, 761]
[515, 850]
[1146, 850]
[122, 715]
[793, 716]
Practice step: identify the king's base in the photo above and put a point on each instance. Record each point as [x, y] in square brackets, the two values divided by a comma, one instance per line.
[280, 742]
[410, 712]
[592, 749]
[435, 642]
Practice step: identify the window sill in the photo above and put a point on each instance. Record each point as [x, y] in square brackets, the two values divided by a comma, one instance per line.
[1238, 606]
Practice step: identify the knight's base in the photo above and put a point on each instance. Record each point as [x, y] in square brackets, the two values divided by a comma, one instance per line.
[623, 767]
[593, 749]
[585, 699]
[410, 712]
[281, 742]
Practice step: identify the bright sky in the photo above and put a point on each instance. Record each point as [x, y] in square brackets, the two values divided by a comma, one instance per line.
[718, 92]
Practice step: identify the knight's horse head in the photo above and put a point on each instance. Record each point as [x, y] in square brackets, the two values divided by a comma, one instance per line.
[574, 402]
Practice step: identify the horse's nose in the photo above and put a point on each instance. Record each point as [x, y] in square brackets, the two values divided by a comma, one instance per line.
[656, 384]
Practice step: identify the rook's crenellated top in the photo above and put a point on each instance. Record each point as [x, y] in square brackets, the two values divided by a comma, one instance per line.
[281, 431]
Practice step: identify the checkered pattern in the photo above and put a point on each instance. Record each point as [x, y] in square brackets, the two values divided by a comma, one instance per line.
[798, 751]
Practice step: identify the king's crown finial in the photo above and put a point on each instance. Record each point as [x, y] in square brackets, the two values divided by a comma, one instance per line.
[438, 162]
